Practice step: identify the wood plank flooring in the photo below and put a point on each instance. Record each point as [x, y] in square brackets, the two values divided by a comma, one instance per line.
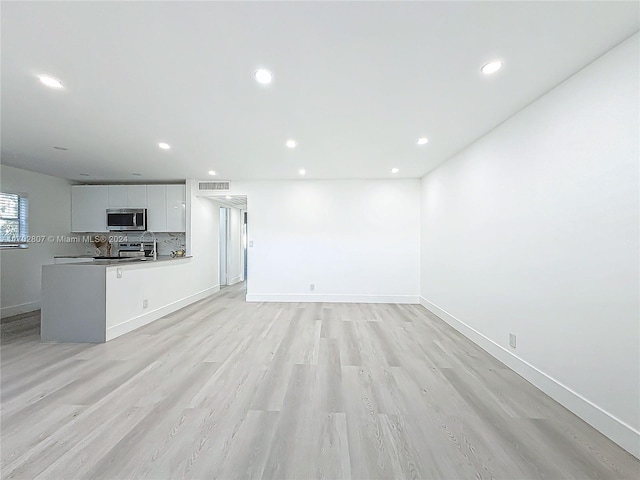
[228, 389]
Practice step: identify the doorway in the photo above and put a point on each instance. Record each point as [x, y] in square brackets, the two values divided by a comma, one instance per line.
[232, 244]
[244, 243]
[224, 246]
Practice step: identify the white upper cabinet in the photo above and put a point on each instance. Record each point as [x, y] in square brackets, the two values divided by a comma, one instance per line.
[157, 208]
[127, 196]
[176, 208]
[165, 205]
[118, 197]
[137, 196]
[89, 205]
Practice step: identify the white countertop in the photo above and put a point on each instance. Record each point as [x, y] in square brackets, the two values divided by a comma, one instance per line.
[119, 262]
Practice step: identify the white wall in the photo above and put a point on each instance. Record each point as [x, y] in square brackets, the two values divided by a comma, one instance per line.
[203, 223]
[533, 230]
[49, 214]
[356, 240]
[167, 287]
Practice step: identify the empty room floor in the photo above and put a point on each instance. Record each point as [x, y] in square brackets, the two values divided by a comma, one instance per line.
[229, 389]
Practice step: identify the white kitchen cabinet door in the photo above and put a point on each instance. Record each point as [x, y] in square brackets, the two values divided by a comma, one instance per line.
[137, 196]
[176, 208]
[89, 205]
[157, 208]
[118, 196]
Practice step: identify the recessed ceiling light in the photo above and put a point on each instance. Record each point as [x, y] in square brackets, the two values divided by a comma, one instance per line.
[50, 82]
[394, 170]
[164, 146]
[228, 197]
[84, 174]
[491, 67]
[61, 148]
[136, 174]
[263, 76]
[422, 141]
[291, 143]
[212, 172]
[302, 171]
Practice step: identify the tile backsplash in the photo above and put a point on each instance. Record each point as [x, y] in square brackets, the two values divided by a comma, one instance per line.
[166, 242]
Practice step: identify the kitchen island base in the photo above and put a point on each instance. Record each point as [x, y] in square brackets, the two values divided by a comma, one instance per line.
[95, 302]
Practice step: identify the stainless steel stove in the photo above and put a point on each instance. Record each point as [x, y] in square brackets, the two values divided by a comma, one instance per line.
[132, 249]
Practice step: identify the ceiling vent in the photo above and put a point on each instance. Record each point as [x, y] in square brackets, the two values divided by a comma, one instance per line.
[214, 186]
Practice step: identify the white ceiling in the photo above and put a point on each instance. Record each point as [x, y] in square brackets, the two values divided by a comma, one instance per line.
[355, 83]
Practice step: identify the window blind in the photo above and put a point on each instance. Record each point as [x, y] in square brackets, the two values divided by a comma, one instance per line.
[14, 220]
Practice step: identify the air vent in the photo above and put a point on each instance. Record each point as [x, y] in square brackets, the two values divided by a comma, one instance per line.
[214, 186]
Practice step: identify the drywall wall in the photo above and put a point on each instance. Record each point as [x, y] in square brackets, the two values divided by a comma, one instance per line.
[49, 215]
[354, 240]
[533, 230]
[202, 236]
[166, 287]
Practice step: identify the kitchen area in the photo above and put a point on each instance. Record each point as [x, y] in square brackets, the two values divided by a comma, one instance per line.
[127, 263]
[110, 221]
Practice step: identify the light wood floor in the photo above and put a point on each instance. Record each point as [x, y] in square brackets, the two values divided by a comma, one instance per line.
[228, 389]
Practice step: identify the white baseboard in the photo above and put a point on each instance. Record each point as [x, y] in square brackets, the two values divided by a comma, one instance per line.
[331, 298]
[18, 309]
[137, 322]
[617, 430]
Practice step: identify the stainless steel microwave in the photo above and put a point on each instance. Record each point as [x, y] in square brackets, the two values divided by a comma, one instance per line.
[126, 219]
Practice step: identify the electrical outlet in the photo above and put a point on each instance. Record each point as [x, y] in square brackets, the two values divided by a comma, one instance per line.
[312, 287]
[145, 303]
[119, 272]
[512, 340]
[251, 243]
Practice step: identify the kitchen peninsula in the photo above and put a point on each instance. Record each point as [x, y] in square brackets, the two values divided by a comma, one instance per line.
[96, 301]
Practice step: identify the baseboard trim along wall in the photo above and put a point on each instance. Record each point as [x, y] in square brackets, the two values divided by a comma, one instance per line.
[140, 321]
[18, 309]
[618, 431]
[332, 298]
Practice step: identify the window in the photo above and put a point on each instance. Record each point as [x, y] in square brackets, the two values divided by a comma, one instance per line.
[14, 223]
